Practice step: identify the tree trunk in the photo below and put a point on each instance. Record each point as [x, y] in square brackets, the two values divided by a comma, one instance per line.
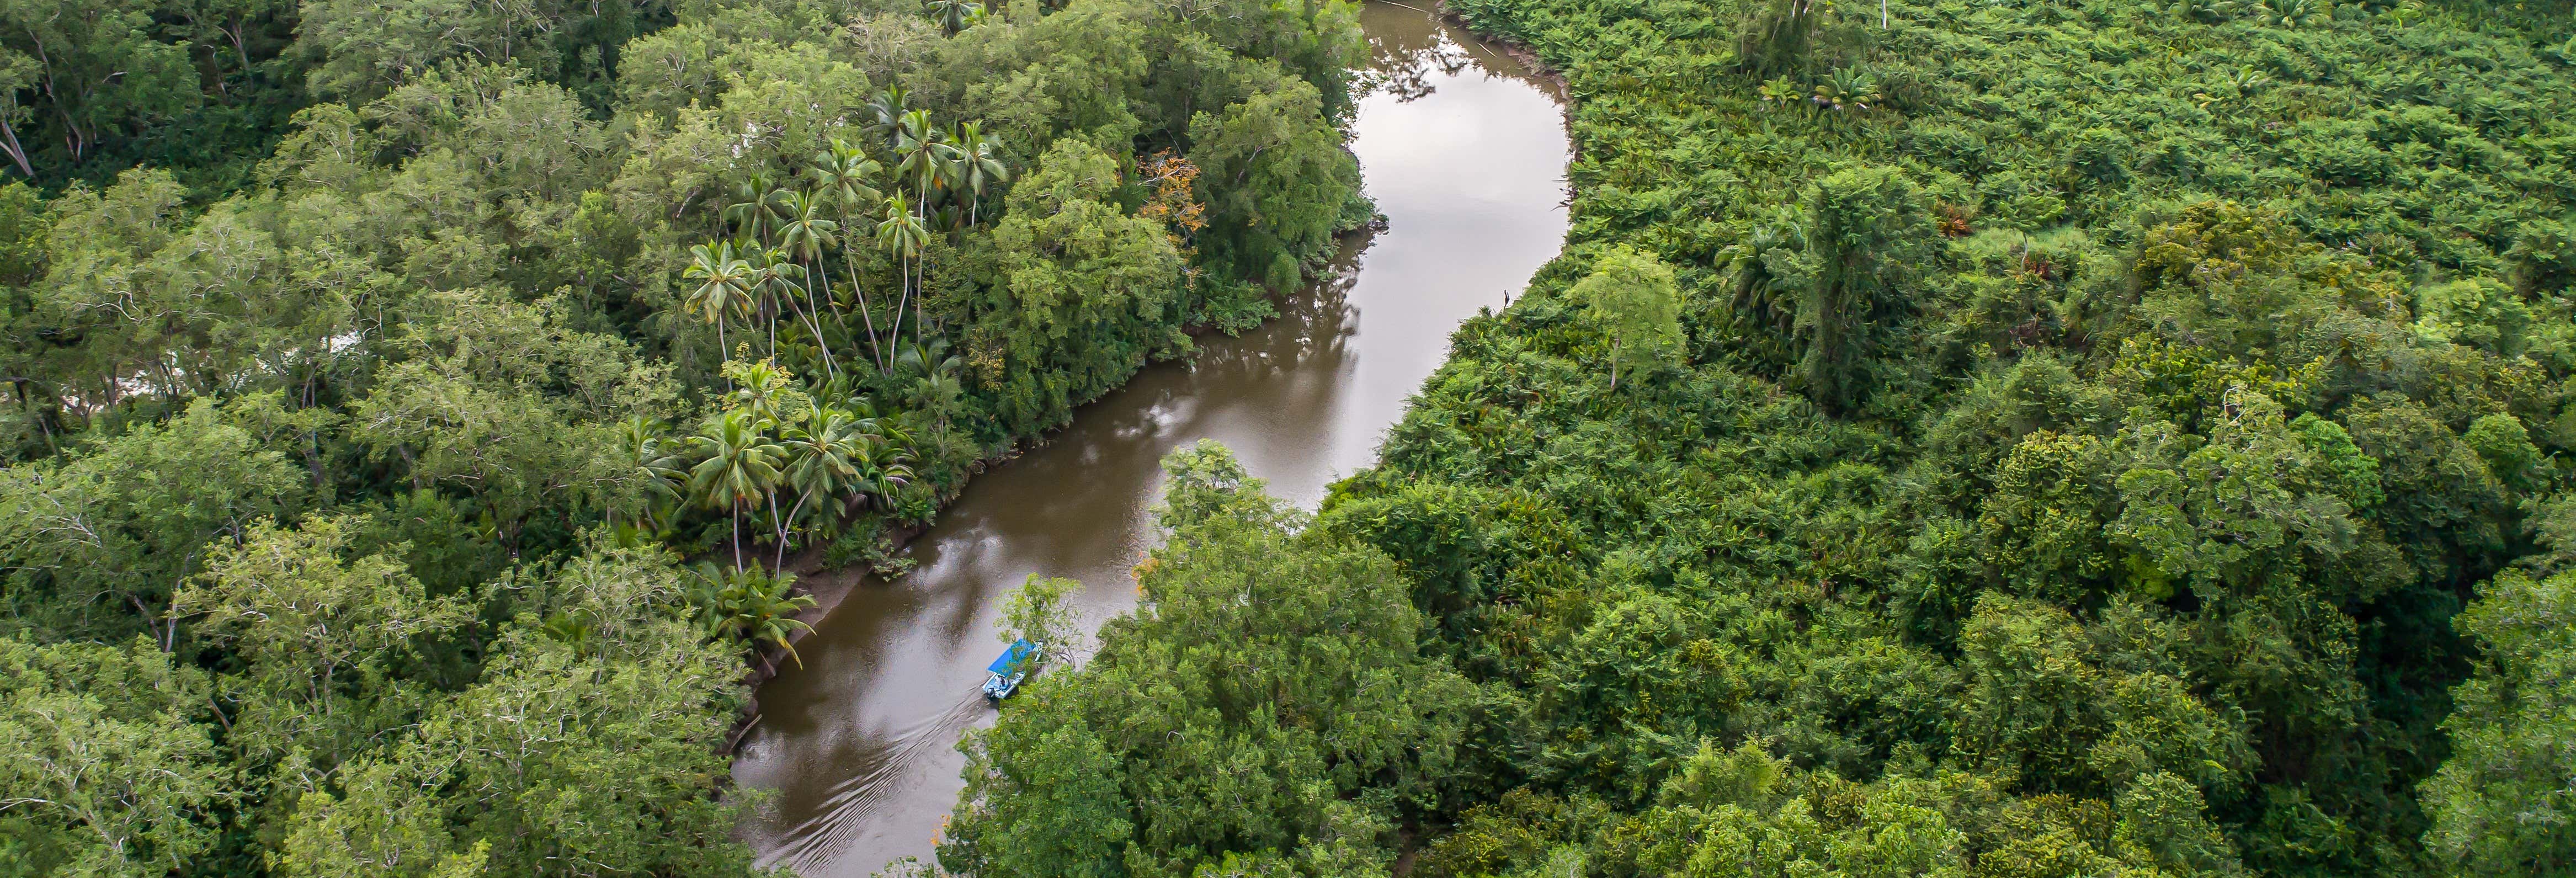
[876, 351]
[777, 526]
[813, 321]
[899, 305]
[792, 512]
[17, 153]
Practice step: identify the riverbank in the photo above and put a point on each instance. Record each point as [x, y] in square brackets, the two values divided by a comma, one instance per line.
[809, 564]
[829, 584]
[1465, 156]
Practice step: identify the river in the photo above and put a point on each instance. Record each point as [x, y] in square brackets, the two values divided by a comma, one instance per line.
[1464, 151]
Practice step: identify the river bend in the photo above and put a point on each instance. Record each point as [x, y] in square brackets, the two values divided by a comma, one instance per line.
[1464, 151]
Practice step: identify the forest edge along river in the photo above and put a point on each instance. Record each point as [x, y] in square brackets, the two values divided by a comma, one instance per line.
[1464, 150]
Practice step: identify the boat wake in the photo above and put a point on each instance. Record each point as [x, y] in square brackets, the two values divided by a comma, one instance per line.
[881, 770]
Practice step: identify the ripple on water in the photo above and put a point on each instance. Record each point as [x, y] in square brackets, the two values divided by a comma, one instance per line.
[830, 830]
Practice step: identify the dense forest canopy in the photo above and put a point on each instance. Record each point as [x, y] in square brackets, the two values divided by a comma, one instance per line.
[411, 404]
[1973, 437]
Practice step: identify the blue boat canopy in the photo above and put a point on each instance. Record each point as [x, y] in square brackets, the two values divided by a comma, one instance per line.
[1012, 657]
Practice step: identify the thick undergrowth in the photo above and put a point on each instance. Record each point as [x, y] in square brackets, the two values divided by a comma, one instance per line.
[1960, 438]
[394, 482]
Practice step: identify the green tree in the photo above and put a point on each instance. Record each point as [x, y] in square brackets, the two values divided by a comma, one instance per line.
[725, 287]
[98, 540]
[509, 449]
[490, 779]
[1638, 305]
[805, 235]
[846, 176]
[1084, 292]
[738, 468]
[1274, 177]
[2500, 804]
[96, 68]
[1040, 611]
[320, 635]
[1867, 231]
[1268, 675]
[657, 468]
[367, 47]
[108, 771]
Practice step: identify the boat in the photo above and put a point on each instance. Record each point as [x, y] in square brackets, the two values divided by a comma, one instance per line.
[1003, 676]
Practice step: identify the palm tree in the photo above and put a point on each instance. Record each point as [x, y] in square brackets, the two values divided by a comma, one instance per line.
[921, 152]
[922, 156]
[2204, 11]
[757, 605]
[725, 288]
[740, 468]
[902, 234]
[934, 390]
[845, 174]
[2289, 13]
[980, 166]
[891, 452]
[778, 278]
[762, 386]
[755, 206]
[934, 372]
[887, 111]
[955, 15]
[865, 419]
[884, 464]
[821, 453]
[768, 608]
[654, 462]
[940, 393]
[1762, 297]
[804, 234]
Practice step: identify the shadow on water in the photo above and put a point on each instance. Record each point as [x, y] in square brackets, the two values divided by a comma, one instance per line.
[1464, 153]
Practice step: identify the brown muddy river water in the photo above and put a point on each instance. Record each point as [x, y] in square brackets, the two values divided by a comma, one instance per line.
[1465, 153]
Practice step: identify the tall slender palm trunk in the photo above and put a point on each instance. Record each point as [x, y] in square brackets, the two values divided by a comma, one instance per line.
[876, 350]
[811, 316]
[921, 214]
[779, 526]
